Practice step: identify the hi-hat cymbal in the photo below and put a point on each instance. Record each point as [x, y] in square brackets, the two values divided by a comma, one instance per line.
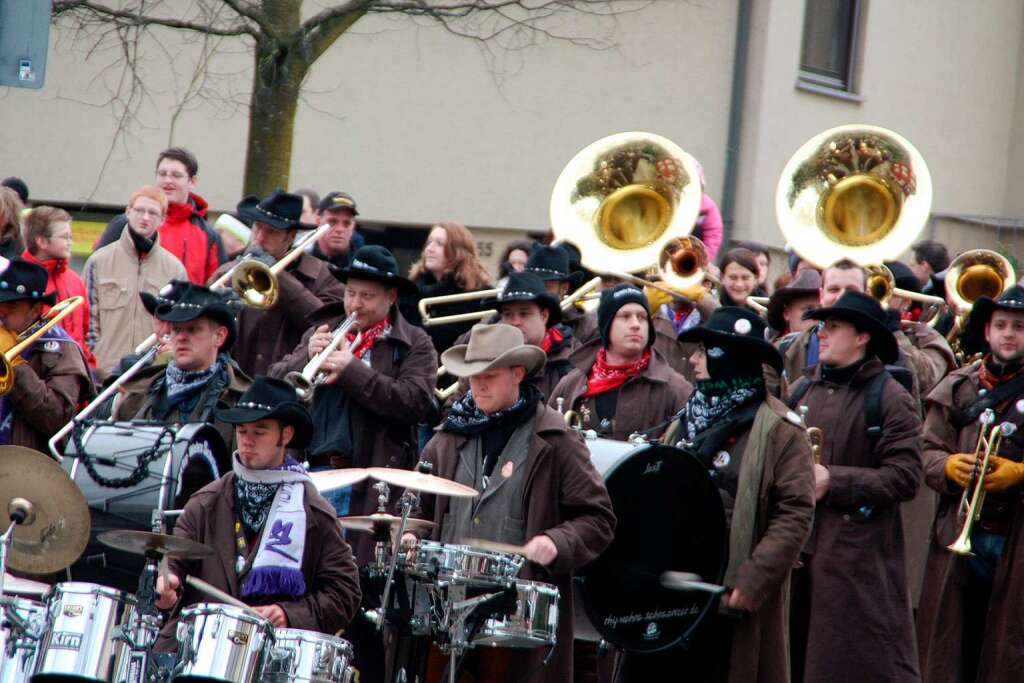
[15, 585]
[57, 522]
[329, 480]
[143, 542]
[426, 483]
[380, 520]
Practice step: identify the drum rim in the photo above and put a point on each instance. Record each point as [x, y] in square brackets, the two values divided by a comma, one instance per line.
[285, 634]
[115, 594]
[242, 614]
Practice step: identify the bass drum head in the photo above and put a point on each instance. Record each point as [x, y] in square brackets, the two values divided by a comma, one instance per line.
[670, 518]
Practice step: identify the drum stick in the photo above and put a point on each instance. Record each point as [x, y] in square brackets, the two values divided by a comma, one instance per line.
[685, 581]
[217, 593]
[495, 546]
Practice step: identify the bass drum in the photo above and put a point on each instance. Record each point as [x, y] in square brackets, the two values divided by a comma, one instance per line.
[670, 518]
[188, 457]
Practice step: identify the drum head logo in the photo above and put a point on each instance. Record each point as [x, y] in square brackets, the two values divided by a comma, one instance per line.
[238, 637]
[721, 459]
[73, 610]
[66, 640]
[652, 632]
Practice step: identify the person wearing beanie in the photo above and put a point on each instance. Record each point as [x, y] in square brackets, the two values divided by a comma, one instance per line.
[760, 460]
[629, 388]
[969, 612]
[117, 274]
[858, 621]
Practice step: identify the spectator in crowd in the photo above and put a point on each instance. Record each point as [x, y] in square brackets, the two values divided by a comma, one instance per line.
[931, 259]
[48, 244]
[763, 255]
[18, 185]
[115, 276]
[709, 226]
[337, 245]
[185, 232]
[11, 244]
[310, 206]
[233, 233]
[739, 277]
[513, 259]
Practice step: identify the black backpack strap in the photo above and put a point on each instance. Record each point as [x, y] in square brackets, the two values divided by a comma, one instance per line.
[990, 399]
[797, 392]
[873, 406]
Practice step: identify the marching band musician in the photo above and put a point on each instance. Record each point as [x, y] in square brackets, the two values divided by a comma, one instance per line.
[787, 305]
[51, 378]
[860, 626]
[305, 285]
[970, 613]
[629, 388]
[201, 374]
[538, 487]
[276, 540]
[761, 462]
[365, 413]
[552, 265]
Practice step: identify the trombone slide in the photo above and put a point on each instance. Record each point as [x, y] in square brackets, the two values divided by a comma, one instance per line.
[429, 321]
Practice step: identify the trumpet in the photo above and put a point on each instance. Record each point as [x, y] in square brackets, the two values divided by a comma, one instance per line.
[11, 358]
[306, 382]
[973, 498]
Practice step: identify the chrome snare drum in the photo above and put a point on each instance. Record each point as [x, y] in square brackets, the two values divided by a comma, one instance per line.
[80, 640]
[222, 643]
[463, 564]
[308, 657]
[18, 650]
[533, 624]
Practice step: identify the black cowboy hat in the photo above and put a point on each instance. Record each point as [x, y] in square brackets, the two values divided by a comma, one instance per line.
[807, 283]
[736, 330]
[527, 287]
[271, 399]
[553, 264]
[168, 294]
[374, 262]
[867, 315]
[195, 301]
[338, 200]
[903, 276]
[981, 313]
[281, 211]
[24, 281]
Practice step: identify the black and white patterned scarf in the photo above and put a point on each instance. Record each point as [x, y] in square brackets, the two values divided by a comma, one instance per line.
[712, 400]
[466, 418]
[181, 385]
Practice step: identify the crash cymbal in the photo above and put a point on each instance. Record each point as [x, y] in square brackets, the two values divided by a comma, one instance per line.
[15, 585]
[382, 520]
[329, 480]
[56, 526]
[142, 542]
[426, 483]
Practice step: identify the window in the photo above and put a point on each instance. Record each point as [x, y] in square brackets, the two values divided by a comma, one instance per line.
[828, 54]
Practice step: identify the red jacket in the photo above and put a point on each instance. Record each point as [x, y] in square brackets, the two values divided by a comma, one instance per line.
[190, 243]
[66, 283]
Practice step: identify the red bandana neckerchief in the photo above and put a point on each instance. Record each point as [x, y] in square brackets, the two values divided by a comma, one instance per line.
[604, 377]
[988, 381]
[552, 338]
[370, 337]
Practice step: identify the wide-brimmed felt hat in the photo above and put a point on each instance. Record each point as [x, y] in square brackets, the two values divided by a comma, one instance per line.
[903, 276]
[867, 315]
[374, 262]
[335, 201]
[553, 264]
[281, 211]
[807, 283]
[193, 301]
[168, 294]
[271, 399]
[529, 288]
[491, 347]
[981, 313]
[24, 281]
[732, 329]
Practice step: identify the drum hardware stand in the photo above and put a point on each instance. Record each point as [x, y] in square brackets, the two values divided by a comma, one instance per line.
[458, 610]
[380, 557]
[20, 511]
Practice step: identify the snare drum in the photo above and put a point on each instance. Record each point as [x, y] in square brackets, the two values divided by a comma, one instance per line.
[308, 657]
[533, 624]
[222, 643]
[18, 654]
[462, 564]
[79, 641]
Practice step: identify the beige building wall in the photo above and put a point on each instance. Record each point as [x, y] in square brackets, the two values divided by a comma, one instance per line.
[943, 73]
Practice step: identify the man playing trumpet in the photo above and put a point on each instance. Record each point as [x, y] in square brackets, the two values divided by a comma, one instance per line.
[970, 612]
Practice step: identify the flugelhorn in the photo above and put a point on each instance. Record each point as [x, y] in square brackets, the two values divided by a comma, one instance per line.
[311, 376]
[12, 356]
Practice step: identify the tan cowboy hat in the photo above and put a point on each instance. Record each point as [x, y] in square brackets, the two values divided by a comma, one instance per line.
[491, 347]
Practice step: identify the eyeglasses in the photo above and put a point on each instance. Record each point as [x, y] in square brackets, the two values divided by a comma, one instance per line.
[176, 175]
[146, 212]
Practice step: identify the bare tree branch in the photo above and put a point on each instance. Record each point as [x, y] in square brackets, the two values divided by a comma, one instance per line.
[129, 18]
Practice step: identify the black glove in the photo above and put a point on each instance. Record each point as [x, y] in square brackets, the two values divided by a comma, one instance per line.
[257, 254]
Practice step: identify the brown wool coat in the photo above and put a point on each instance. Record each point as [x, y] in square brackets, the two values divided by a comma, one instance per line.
[264, 337]
[939, 617]
[584, 325]
[332, 577]
[388, 400]
[760, 646]
[645, 401]
[47, 393]
[565, 500]
[861, 628]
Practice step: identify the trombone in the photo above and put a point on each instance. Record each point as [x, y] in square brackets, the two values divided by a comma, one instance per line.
[432, 321]
[881, 285]
[972, 275]
[973, 498]
[311, 376]
[11, 358]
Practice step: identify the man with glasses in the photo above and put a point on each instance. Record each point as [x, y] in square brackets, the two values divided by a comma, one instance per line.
[184, 232]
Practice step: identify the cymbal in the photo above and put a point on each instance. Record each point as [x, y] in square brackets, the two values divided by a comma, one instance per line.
[382, 520]
[142, 542]
[426, 483]
[329, 480]
[15, 585]
[56, 528]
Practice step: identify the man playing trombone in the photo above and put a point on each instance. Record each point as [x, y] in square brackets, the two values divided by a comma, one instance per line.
[303, 286]
[968, 623]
